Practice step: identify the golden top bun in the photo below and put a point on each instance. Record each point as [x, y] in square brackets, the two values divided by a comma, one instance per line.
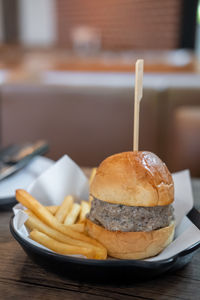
[131, 245]
[136, 178]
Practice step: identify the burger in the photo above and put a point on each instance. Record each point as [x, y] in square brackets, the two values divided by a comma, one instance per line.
[131, 212]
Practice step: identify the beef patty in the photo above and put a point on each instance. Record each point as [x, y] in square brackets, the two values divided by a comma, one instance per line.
[130, 218]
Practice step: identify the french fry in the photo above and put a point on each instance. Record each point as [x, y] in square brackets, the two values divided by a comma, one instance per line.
[77, 227]
[73, 214]
[34, 222]
[58, 247]
[53, 209]
[85, 208]
[90, 199]
[42, 212]
[93, 173]
[64, 208]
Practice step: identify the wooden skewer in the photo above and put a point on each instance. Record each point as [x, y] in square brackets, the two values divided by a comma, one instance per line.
[139, 66]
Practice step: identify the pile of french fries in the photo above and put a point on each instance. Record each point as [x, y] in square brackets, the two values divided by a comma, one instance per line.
[61, 228]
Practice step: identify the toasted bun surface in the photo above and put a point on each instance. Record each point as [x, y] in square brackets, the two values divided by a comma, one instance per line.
[131, 245]
[133, 178]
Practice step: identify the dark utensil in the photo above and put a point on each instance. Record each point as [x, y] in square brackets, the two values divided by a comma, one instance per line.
[16, 157]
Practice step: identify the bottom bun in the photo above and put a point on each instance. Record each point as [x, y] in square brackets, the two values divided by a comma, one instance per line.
[131, 245]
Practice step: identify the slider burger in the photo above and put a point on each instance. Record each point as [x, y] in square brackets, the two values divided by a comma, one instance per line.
[131, 212]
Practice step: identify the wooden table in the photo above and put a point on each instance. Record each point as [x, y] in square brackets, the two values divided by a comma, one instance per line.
[20, 278]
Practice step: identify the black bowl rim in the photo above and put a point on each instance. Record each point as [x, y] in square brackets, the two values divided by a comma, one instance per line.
[105, 263]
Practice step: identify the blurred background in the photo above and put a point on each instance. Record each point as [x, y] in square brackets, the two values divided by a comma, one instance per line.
[67, 76]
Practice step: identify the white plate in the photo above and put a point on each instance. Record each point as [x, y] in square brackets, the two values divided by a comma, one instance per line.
[23, 178]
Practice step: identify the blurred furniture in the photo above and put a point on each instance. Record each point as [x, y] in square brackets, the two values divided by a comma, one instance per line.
[172, 139]
[187, 138]
[87, 124]
[90, 115]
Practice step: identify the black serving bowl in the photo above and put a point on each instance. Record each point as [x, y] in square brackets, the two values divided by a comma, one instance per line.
[102, 270]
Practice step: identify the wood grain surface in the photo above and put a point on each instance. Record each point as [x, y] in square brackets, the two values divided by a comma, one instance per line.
[20, 278]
